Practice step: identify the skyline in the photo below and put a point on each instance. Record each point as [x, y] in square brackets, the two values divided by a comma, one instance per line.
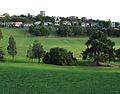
[95, 9]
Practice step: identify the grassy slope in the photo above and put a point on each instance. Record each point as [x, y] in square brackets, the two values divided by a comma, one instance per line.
[23, 41]
[27, 78]
[76, 45]
[31, 78]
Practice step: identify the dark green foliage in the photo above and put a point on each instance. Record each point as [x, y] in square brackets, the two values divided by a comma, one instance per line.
[59, 56]
[38, 50]
[99, 48]
[64, 30]
[30, 54]
[71, 30]
[1, 55]
[78, 30]
[39, 30]
[1, 36]
[12, 50]
[118, 54]
[113, 33]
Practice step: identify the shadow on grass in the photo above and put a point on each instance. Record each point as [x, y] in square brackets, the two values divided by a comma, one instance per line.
[19, 61]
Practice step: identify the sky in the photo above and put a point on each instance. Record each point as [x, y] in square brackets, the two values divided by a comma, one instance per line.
[95, 9]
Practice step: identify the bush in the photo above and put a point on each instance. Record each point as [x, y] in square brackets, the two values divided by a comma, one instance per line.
[59, 56]
[39, 30]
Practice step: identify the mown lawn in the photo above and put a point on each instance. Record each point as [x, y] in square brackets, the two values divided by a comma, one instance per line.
[28, 78]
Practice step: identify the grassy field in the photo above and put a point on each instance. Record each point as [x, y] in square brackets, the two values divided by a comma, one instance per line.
[23, 40]
[25, 78]
[31, 78]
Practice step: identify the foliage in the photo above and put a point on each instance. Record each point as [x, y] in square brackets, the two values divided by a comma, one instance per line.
[1, 35]
[118, 54]
[30, 54]
[59, 56]
[38, 50]
[1, 55]
[12, 50]
[64, 30]
[99, 48]
[39, 30]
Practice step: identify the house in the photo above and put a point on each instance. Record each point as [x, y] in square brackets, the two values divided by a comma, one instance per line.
[27, 24]
[113, 25]
[47, 23]
[18, 24]
[66, 23]
[37, 23]
[85, 24]
[57, 21]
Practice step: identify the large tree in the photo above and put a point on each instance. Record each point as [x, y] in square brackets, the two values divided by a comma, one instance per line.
[12, 50]
[99, 48]
[38, 50]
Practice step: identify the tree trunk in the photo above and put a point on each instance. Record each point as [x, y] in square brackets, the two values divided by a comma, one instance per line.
[97, 63]
[38, 60]
[12, 58]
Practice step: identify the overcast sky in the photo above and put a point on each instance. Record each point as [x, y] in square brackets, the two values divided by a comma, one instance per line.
[96, 9]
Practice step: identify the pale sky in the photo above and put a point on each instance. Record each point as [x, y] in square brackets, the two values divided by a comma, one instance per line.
[96, 9]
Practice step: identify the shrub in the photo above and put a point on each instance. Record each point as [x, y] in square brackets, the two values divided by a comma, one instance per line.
[39, 30]
[59, 56]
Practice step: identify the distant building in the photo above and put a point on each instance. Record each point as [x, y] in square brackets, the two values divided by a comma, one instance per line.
[42, 13]
[47, 23]
[18, 24]
[83, 24]
[57, 21]
[113, 24]
[66, 23]
[37, 23]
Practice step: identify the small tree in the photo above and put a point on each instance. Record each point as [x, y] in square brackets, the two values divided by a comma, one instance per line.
[38, 50]
[30, 54]
[1, 36]
[12, 50]
[99, 48]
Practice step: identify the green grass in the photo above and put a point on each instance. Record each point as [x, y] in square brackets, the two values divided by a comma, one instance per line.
[28, 78]
[23, 77]
[23, 41]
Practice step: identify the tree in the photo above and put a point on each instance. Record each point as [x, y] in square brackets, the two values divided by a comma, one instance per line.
[1, 55]
[39, 30]
[12, 50]
[1, 35]
[30, 54]
[118, 54]
[64, 30]
[59, 56]
[99, 48]
[38, 50]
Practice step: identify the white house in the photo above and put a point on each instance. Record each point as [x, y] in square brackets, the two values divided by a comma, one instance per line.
[47, 23]
[28, 24]
[37, 23]
[83, 24]
[66, 23]
[18, 24]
